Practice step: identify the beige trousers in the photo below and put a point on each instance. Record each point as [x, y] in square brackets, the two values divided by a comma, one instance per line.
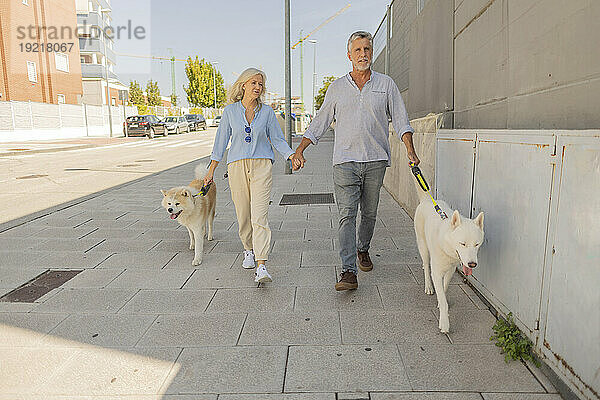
[250, 182]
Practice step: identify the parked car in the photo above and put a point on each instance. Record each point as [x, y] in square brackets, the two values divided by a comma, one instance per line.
[176, 125]
[144, 125]
[196, 122]
[215, 121]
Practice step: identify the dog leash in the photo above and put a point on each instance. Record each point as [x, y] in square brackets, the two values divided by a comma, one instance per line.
[423, 183]
[203, 190]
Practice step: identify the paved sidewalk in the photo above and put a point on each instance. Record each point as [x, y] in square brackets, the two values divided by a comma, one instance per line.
[48, 146]
[140, 322]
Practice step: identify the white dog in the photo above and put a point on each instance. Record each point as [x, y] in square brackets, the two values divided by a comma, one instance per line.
[193, 210]
[444, 243]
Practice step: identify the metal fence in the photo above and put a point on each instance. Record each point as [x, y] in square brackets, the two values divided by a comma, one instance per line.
[540, 191]
[29, 120]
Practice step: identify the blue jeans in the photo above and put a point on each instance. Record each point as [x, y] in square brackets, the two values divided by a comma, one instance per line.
[357, 183]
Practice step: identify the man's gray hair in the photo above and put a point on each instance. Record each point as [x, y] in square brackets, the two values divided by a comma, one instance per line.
[359, 35]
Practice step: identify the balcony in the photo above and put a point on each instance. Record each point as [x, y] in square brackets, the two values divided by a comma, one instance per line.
[96, 46]
[96, 71]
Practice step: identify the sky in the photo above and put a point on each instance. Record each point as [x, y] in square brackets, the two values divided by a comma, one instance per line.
[238, 34]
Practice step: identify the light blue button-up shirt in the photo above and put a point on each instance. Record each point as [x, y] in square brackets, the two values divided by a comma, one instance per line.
[361, 118]
[265, 134]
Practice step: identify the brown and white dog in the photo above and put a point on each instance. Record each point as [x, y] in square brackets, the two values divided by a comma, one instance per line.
[196, 212]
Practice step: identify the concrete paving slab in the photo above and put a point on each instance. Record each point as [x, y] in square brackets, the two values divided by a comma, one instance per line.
[286, 259]
[221, 277]
[265, 298]
[96, 278]
[390, 257]
[384, 274]
[320, 258]
[67, 233]
[473, 296]
[425, 396]
[303, 245]
[182, 246]
[68, 244]
[111, 372]
[26, 329]
[168, 302]
[114, 224]
[390, 327]
[115, 233]
[303, 277]
[252, 369]
[184, 261]
[18, 379]
[365, 298]
[99, 330]
[22, 244]
[413, 297]
[25, 230]
[150, 279]
[233, 246]
[194, 330]
[419, 274]
[87, 301]
[126, 245]
[71, 259]
[470, 327]
[353, 396]
[344, 369]
[291, 328]
[520, 396]
[19, 259]
[141, 260]
[312, 234]
[12, 277]
[279, 396]
[457, 367]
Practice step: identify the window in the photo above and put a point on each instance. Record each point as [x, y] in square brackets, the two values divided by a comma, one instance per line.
[61, 99]
[32, 71]
[26, 2]
[62, 62]
[114, 101]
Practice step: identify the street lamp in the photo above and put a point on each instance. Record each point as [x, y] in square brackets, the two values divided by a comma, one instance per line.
[314, 83]
[214, 82]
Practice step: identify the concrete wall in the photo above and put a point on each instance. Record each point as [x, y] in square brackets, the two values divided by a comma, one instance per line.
[508, 64]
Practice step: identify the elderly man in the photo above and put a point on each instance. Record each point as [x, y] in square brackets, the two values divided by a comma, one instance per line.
[362, 103]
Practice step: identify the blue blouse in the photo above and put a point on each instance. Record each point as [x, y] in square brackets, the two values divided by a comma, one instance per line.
[265, 133]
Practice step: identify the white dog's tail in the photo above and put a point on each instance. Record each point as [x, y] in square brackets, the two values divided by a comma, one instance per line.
[200, 171]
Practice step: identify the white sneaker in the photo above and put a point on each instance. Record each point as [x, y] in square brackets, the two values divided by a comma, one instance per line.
[248, 262]
[261, 275]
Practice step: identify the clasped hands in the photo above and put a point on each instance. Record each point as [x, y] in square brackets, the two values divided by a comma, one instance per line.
[297, 160]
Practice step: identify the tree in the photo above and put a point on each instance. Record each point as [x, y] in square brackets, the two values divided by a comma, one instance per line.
[174, 100]
[136, 95]
[153, 93]
[320, 97]
[200, 91]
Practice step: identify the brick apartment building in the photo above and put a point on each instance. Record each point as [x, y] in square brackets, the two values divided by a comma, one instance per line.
[39, 76]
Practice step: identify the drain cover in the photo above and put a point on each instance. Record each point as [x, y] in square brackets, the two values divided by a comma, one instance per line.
[31, 176]
[306, 198]
[39, 286]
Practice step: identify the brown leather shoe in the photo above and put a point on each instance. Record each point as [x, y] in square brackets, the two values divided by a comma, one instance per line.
[347, 281]
[364, 261]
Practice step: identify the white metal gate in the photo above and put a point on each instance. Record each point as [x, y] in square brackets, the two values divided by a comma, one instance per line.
[540, 191]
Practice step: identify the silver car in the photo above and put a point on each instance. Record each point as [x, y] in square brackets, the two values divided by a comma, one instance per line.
[176, 125]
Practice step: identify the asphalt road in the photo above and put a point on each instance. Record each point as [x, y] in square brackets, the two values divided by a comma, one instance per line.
[34, 182]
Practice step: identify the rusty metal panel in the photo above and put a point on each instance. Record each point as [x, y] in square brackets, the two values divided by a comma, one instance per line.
[571, 329]
[455, 158]
[513, 181]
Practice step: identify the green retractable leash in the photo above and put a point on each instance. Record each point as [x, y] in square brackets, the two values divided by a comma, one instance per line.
[423, 183]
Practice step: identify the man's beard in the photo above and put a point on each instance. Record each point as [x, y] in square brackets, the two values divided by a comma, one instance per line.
[362, 67]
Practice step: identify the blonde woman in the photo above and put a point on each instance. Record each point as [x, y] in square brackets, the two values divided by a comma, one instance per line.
[253, 130]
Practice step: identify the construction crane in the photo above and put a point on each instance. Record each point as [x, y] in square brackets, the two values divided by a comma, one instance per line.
[301, 43]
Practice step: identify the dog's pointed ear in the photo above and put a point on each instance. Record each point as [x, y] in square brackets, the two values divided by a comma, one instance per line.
[164, 192]
[455, 220]
[479, 220]
[186, 193]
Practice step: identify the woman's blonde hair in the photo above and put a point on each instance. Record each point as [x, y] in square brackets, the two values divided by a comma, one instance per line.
[236, 93]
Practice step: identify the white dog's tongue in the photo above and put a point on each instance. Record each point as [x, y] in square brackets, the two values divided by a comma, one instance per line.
[467, 270]
[173, 216]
